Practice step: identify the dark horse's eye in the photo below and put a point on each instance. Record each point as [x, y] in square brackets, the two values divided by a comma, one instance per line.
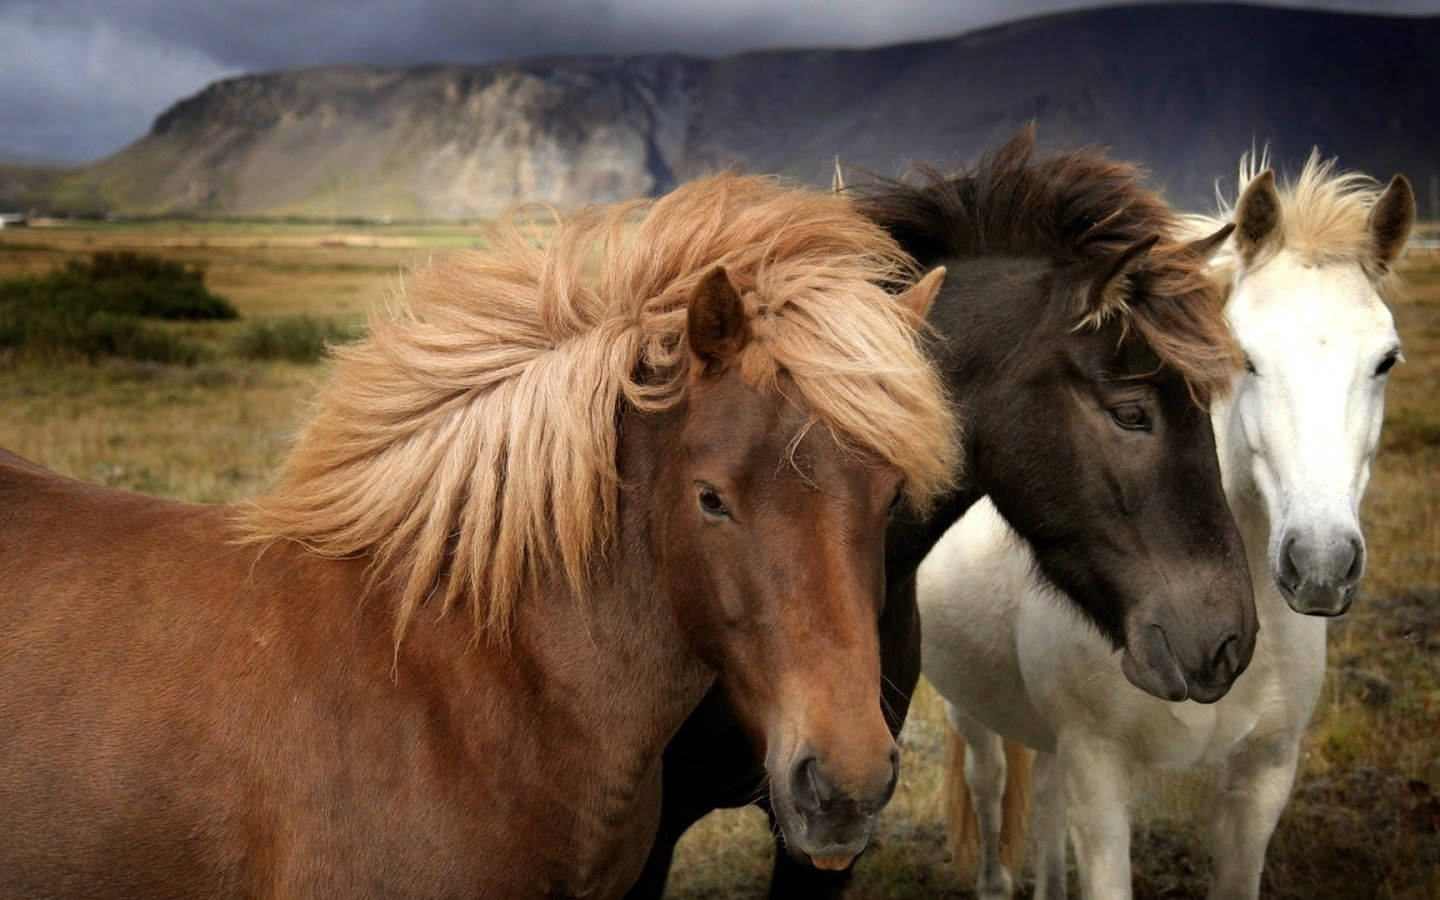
[896, 500]
[1386, 364]
[711, 504]
[1131, 416]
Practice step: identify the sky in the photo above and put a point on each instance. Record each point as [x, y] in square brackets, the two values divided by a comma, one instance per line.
[80, 79]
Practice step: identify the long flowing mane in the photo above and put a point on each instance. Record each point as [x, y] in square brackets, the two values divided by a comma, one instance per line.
[469, 445]
[1324, 216]
[1078, 208]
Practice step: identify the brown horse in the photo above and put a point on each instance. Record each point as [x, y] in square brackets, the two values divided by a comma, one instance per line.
[640, 457]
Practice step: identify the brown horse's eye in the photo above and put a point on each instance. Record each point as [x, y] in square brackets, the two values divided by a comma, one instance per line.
[896, 500]
[711, 504]
[1130, 416]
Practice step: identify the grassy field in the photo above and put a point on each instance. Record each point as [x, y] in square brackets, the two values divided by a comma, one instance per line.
[1365, 817]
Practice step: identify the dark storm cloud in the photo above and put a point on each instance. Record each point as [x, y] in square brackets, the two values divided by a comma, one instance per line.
[83, 77]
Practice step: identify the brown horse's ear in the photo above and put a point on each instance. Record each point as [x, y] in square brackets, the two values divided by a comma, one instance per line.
[1205, 247]
[717, 328]
[1391, 219]
[1108, 279]
[919, 296]
[1257, 215]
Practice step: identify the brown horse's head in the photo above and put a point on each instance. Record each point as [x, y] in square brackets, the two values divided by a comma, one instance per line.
[750, 425]
[771, 535]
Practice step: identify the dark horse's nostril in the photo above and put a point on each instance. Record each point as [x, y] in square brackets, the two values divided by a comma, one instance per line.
[1227, 659]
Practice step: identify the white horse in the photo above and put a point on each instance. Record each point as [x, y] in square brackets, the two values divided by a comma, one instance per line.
[1306, 272]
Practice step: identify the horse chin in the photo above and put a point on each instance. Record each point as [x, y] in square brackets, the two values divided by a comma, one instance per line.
[1319, 600]
[1149, 666]
[1150, 663]
[831, 852]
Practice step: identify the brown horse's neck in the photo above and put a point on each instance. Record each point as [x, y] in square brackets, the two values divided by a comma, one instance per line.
[597, 685]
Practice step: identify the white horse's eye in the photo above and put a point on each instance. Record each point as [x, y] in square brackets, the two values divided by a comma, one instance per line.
[1386, 364]
[1250, 365]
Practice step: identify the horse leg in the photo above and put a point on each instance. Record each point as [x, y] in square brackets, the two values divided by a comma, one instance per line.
[1253, 790]
[1097, 788]
[985, 775]
[1048, 818]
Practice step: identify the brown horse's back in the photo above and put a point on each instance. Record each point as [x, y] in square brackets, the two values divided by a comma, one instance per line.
[171, 725]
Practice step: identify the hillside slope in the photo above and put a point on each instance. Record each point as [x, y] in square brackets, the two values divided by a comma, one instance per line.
[1182, 88]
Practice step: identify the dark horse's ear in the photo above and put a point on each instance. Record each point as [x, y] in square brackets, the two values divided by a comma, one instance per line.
[1205, 247]
[1391, 219]
[717, 328]
[1257, 215]
[1107, 279]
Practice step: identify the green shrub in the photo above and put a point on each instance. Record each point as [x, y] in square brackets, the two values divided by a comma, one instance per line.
[95, 309]
[293, 338]
[124, 283]
[95, 336]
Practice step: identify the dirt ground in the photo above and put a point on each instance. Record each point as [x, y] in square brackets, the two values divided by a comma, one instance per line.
[1365, 816]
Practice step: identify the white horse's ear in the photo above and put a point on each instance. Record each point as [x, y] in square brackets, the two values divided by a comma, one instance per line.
[1205, 247]
[1257, 215]
[1391, 219]
[837, 180]
[920, 295]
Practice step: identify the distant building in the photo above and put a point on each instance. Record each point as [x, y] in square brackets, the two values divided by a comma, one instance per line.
[13, 220]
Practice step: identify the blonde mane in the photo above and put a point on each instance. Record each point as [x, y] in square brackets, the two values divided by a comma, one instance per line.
[1324, 216]
[469, 445]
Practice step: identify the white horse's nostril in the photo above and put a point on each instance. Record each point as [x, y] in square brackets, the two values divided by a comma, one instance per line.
[1323, 559]
[1289, 574]
[1357, 566]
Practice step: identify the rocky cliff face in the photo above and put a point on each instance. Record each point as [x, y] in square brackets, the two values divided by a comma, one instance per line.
[1183, 89]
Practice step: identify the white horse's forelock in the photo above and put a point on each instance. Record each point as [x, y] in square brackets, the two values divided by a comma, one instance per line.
[1324, 214]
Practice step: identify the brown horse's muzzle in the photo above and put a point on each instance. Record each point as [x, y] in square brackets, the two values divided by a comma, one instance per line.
[826, 809]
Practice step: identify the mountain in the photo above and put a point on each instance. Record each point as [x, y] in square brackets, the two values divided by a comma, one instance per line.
[1181, 88]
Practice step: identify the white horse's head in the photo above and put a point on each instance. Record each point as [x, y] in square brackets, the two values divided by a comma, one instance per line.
[1310, 262]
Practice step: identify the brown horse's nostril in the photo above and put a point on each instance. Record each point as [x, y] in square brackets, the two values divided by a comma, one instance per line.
[811, 791]
[814, 792]
[889, 791]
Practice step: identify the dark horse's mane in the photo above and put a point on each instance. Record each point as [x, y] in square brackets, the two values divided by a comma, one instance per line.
[1081, 210]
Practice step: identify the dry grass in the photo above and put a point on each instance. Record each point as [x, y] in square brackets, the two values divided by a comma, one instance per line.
[1365, 819]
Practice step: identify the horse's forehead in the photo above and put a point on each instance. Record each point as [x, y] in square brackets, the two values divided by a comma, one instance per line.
[749, 426]
[731, 417]
[1287, 300]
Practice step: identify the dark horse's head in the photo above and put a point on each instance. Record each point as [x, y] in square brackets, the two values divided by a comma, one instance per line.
[1084, 344]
